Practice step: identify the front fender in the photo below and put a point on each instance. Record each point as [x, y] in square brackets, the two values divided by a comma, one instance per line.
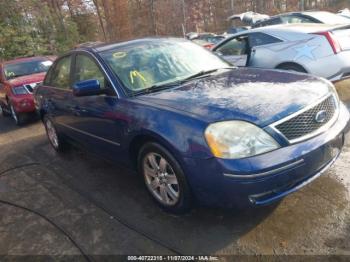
[180, 133]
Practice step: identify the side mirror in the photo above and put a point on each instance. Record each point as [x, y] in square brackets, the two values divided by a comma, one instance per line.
[87, 88]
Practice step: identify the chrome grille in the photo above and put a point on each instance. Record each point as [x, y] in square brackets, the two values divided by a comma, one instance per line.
[306, 122]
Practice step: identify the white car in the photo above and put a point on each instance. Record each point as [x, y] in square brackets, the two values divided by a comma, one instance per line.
[318, 49]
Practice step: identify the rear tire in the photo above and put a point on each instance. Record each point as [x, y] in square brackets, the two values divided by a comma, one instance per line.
[164, 179]
[3, 112]
[19, 118]
[56, 140]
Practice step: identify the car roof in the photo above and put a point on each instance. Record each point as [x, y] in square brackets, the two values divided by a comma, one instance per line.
[104, 47]
[309, 13]
[306, 28]
[24, 59]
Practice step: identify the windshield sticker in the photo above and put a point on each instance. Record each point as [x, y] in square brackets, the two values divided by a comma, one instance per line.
[136, 73]
[9, 74]
[119, 54]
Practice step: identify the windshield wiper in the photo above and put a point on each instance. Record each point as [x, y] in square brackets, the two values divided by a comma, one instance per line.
[178, 82]
[156, 88]
[204, 73]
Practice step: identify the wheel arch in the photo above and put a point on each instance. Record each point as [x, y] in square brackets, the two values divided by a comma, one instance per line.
[291, 63]
[139, 140]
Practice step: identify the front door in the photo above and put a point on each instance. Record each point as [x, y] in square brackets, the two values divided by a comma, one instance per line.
[94, 118]
[235, 51]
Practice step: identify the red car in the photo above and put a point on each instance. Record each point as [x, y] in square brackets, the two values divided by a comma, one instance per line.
[18, 78]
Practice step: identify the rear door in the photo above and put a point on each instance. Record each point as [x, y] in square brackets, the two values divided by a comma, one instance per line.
[56, 93]
[235, 50]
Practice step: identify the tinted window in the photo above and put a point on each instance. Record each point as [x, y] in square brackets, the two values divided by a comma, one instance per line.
[87, 69]
[26, 68]
[60, 75]
[295, 19]
[236, 46]
[272, 21]
[258, 39]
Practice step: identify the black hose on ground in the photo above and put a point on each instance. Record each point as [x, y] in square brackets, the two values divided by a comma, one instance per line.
[120, 219]
[2, 173]
[115, 217]
[52, 223]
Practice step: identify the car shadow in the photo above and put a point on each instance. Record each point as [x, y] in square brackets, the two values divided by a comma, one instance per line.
[122, 194]
[7, 124]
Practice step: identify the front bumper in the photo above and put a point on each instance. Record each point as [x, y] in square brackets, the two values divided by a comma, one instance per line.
[264, 179]
[23, 103]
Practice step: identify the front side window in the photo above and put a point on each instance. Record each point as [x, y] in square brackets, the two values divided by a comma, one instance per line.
[60, 75]
[143, 65]
[14, 70]
[234, 47]
[87, 69]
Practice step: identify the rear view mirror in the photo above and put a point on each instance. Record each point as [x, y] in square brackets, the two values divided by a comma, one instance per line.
[87, 88]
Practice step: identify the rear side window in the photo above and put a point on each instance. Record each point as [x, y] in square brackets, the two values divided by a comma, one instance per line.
[60, 74]
[258, 39]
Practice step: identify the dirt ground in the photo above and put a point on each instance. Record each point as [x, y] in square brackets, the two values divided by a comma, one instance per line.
[77, 204]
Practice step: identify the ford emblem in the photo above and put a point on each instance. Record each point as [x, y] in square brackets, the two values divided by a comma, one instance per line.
[321, 116]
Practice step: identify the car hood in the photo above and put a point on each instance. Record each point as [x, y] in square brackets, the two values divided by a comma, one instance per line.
[29, 79]
[258, 96]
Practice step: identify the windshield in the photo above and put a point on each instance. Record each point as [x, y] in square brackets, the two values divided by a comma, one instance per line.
[331, 19]
[26, 68]
[150, 64]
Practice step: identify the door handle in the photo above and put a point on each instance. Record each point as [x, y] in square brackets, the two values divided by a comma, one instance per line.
[77, 110]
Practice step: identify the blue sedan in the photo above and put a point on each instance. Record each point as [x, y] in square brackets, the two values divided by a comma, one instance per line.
[195, 128]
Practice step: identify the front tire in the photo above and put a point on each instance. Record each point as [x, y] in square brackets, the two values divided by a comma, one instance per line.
[164, 179]
[56, 140]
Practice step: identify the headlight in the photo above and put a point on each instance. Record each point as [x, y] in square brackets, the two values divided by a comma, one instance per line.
[238, 139]
[20, 90]
[331, 89]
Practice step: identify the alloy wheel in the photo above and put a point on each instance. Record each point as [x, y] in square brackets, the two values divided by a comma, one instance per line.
[51, 133]
[161, 179]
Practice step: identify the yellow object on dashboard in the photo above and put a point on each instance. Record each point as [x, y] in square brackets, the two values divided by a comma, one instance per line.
[119, 54]
[134, 74]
